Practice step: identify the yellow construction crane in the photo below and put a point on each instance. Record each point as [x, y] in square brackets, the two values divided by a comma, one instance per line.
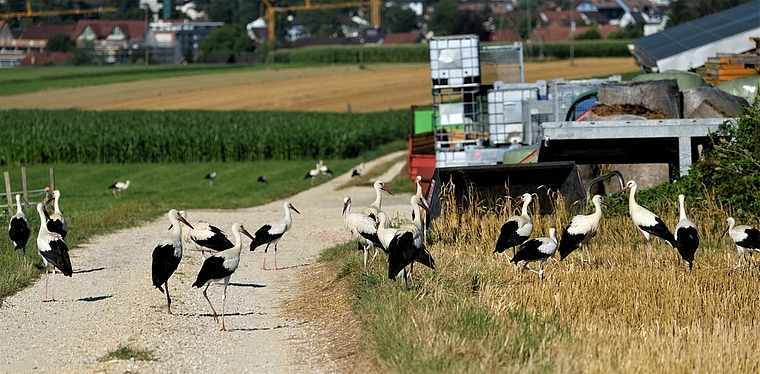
[60, 12]
[271, 10]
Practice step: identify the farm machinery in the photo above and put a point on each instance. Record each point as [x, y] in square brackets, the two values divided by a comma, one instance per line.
[490, 135]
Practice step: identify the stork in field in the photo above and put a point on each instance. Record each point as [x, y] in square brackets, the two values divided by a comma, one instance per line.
[647, 222]
[363, 229]
[167, 256]
[746, 238]
[19, 228]
[262, 179]
[54, 252]
[210, 178]
[376, 205]
[517, 229]
[407, 246]
[312, 174]
[221, 266]
[324, 169]
[57, 222]
[272, 232]
[580, 231]
[538, 249]
[117, 187]
[205, 236]
[686, 235]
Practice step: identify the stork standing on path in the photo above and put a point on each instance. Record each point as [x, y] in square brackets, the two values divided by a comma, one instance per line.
[54, 252]
[580, 231]
[517, 229]
[686, 235]
[272, 232]
[357, 171]
[407, 246]
[57, 222]
[363, 229]
[117, 187]
[376, 205]
[221, 266]
[205, 236]
[19, 228]
[647, 222]
[746, 238]
[167, 256]
[538, 249]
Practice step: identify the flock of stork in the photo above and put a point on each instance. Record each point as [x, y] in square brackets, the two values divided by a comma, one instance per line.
[404, 245]
[582, 228]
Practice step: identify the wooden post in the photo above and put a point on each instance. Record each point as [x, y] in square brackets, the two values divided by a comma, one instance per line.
[8, 192]
[52, 180]
[24, 187]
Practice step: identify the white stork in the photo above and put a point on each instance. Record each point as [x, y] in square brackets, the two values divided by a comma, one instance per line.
[117, 187]
[363, 229]
[205, 236]
[647, 222]
[580, 231]
[19, 228]
[262, 179]
[57, 222]
[272, 232]
[408, 246]
[538, 249]
[210, 178]
[324, 169]
[312, 174]
[746, 238]
[357, 170]
[167, 255]
[517, 229]
[220, 266]
[686, 235]
[376, 205]
[53, 250]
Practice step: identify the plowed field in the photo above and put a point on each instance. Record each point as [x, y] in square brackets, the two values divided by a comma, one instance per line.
[324, 89]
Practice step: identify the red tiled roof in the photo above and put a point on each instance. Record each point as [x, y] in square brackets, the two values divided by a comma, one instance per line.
[559, 32]
[45, 32]
[102, 28]
[402, 38]
[504, 36]
[40, 58]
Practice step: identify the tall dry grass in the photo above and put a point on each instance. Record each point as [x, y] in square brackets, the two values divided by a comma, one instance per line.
[621, 313]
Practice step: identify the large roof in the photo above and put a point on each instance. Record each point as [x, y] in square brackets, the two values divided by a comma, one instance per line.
[710, 34]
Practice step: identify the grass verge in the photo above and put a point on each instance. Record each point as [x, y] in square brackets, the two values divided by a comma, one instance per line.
[125, 352]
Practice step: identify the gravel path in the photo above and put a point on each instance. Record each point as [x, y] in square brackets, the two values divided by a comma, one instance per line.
[110, 300]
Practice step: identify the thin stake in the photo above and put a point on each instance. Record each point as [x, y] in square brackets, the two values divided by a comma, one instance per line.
[8, 192]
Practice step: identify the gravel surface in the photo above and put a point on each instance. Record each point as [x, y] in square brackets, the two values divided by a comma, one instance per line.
[110, 300]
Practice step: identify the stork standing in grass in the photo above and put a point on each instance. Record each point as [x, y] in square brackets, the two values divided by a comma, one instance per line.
[54, 252]
[19, 228]
[205, 236]
[312, 174]
[210, 178]
[221, 266]
[538, 249]
[272, 232]
[517, 229]
[580, 231]
[686, 235]
[324, 169]
[117, 187]
[746, 238]
[376, 205]
[364, 230]
[57, 222]
[167, 256]
[407, 245]
[647, 222]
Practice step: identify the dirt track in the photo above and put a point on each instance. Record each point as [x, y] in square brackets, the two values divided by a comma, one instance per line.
[323, 89]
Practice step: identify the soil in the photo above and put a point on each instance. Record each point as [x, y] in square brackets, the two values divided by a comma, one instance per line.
[632, 109]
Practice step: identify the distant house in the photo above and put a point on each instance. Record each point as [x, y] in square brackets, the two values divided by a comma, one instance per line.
[172, 42]
[45, 58]
[403, 38]
[114, 41]
[416, 5]
[504, 36]
[10, 54]
[557, 26]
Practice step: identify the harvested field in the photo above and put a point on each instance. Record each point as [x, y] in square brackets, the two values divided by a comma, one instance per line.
[322, 89]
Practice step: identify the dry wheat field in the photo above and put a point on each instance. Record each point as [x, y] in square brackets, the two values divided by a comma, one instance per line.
[622, 313]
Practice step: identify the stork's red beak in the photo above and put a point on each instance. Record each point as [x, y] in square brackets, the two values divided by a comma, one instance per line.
[725, 231]
[294, 209]
[386, 189]
[185, 222]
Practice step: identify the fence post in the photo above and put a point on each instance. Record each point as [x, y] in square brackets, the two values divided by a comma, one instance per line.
[24, 187]
[8, 192]
[52, 180]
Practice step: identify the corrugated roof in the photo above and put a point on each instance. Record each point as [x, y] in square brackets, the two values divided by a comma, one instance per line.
[700, 31]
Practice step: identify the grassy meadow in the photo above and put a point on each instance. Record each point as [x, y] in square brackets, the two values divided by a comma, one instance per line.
[621, 313]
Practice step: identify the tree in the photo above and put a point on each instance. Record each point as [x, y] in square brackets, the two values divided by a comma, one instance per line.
[470, 23]
[630, 31]
[84, 54]
[398, 19]
[590, 34]
[679, 12]
[221, 10]
[323, 22]
[60, 43]
[230, 39]
[444, 18]
[125, 9]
